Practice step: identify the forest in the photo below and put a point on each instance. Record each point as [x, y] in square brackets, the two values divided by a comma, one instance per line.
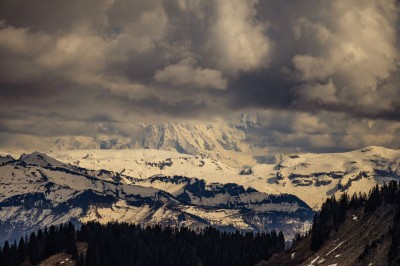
[128, 244]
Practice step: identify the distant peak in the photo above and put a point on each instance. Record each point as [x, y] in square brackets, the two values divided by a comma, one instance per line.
[7, 157]
[374, 149]
[35, 154]
[38, 158]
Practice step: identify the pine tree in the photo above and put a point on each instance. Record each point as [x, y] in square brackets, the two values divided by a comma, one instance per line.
[32, 249]
[21, 253]
[317, 233]
[6, 260]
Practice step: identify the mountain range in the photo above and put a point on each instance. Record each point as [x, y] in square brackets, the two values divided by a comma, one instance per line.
[182, 174]
[311, 177]
[37, 191]
[149, 186]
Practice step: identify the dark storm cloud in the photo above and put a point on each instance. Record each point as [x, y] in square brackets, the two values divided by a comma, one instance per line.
[262, 90]
[105, 64]
[157, 107]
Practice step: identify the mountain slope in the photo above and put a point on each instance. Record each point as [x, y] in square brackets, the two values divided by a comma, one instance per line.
[348, 244]
[37, 190]
[368, 235]
[311, 177]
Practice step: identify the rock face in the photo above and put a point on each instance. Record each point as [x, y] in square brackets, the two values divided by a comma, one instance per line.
[37, 190]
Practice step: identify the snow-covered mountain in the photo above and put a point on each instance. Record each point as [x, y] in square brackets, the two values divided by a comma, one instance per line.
[150, 186]
[223, 140]
[311, 177]
[37, 190]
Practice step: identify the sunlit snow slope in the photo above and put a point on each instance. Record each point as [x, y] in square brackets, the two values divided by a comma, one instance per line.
[311, 177]
[37, 190]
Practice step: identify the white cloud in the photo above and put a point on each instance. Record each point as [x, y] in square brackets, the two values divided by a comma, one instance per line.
[238, 40]
[319, 93]
[22, 42]
[361, 133]
[354, 46]
[186, 73]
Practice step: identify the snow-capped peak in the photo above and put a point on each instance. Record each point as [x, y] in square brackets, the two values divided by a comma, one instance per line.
[39, 159]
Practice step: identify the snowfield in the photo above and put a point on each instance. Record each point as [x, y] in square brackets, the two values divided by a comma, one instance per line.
[311, 177]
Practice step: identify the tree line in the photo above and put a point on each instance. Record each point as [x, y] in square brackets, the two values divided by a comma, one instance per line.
[125, 244]
[40, 245]
[128, 244]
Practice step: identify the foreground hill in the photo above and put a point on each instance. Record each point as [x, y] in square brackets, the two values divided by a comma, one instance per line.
[311, 177]
[37, 191]
[358, 231]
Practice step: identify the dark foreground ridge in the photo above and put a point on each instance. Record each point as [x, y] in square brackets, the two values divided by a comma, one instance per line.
[126, 244]
[361, 230]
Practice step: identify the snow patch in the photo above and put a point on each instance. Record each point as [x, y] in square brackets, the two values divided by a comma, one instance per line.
[334, 249]
[313, 261]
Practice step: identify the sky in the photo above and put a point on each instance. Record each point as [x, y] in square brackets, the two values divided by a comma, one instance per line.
[320, 74]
